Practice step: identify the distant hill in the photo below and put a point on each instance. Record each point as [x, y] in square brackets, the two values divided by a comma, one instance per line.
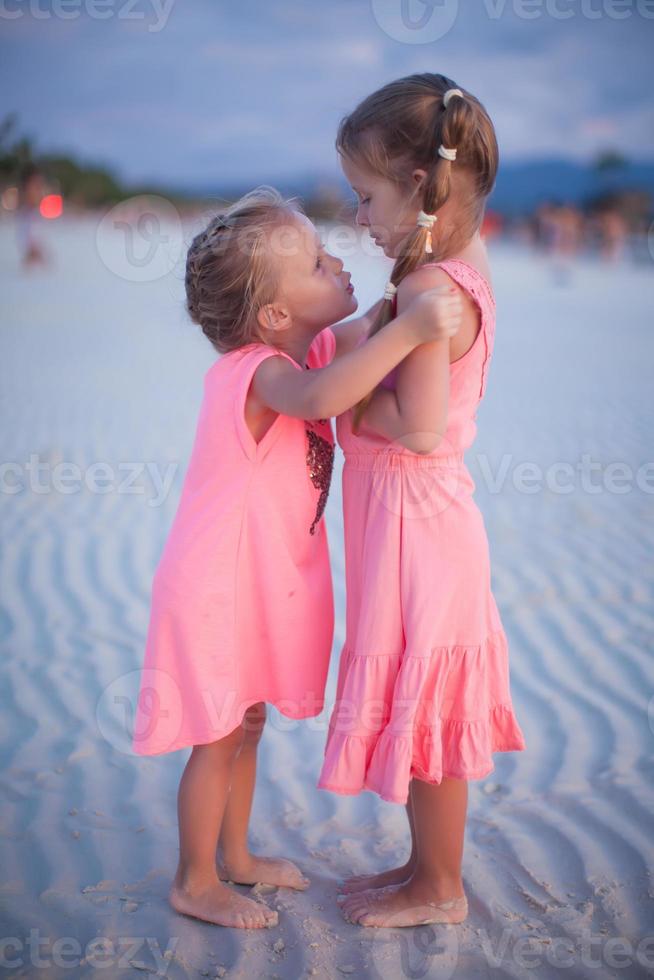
[520, 186]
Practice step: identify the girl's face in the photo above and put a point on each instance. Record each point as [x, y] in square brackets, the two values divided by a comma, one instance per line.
[384, 208]
[315, 288]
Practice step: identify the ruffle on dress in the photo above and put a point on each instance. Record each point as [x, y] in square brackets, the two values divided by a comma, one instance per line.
[379, 741]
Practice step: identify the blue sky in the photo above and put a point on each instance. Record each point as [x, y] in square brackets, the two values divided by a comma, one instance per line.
[205, 92]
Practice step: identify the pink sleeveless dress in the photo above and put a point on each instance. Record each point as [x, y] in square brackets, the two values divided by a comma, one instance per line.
[242, 604]
[423, 686]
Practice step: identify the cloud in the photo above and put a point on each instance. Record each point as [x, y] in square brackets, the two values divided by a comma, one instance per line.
[251, 89]
[262, 55]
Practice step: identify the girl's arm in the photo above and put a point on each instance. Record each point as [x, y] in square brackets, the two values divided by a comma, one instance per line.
[347, 333]
[323, 392]
[415, 414]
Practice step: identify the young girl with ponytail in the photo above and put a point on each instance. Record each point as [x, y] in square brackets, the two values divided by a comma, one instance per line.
[423, 695]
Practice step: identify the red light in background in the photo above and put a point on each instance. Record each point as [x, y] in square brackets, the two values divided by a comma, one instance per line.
[51, 206]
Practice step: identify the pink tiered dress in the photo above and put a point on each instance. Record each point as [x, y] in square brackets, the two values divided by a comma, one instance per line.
[242, 603]
[423, 687]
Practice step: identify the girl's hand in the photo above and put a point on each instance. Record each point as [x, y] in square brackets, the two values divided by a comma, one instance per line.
[435, 314]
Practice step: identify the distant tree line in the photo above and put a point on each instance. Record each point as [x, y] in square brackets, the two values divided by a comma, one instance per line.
[81, 185]
[91, 186]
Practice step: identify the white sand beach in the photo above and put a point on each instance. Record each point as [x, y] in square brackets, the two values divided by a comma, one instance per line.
[102, 371]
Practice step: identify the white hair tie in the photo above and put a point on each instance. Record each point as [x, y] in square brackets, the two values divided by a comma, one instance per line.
[451, 92]
[389, 290]
[446, 153]
[426, 221]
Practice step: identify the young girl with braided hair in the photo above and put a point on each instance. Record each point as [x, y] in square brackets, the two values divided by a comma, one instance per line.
[242, 607]
[423, 695]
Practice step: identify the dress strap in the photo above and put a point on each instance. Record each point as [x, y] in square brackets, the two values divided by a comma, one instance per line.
[470, 278]
[480, 289]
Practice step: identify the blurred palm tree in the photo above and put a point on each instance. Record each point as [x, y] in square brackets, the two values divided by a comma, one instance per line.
[15, 153]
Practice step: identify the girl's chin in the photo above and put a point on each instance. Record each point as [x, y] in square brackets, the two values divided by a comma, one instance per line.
[344, 310]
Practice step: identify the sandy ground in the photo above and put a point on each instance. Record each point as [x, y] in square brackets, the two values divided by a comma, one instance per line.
[98, 367]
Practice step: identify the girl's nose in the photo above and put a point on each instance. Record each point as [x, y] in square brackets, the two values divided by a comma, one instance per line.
[361, 219]
[336, 263]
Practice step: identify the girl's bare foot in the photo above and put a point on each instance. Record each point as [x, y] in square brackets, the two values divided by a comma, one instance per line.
[359, 883]
[408, 904]
[216, 903]
[268, 871]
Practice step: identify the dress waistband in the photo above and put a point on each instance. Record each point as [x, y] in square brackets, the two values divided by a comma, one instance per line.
[388, 460]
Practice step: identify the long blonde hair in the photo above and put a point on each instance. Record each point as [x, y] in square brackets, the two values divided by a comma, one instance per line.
[398, 129]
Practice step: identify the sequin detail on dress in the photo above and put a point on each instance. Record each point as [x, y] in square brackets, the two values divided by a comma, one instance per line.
[320, 460]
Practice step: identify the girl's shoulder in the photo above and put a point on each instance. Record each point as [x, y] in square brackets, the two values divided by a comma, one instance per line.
[233, 370]
[323, 348]
[469, 279]
[476, 295]
[477, 272]
[431, 275]
[448, 272]
[427, 276]
[320, 353]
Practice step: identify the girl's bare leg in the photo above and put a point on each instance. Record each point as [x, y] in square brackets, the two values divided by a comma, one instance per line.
[197, 889]
[439, 813]
[394, 876]
[235, 861]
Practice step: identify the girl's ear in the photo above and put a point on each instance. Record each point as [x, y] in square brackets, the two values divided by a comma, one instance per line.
[419, 175]
[272, 316]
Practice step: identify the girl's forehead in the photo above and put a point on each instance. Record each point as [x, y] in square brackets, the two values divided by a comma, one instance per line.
[358, 176]
[305, 229]
[297, 239]
[352, 170]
